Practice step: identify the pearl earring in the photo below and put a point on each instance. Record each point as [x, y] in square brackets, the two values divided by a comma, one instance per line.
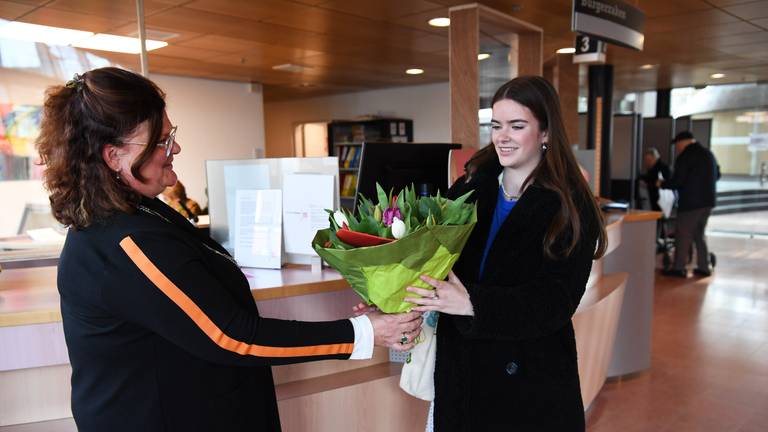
[543, 146]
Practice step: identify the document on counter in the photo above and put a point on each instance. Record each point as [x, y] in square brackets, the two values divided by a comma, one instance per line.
[306, 196]
[258, 228]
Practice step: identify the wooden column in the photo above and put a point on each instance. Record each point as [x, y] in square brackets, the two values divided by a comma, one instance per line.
[464, 39]
[564, 76]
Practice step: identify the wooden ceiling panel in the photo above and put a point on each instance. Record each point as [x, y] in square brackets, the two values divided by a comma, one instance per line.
[125, 10]
[12, 10]
[750, 11]
[253, 10]
[185, 52]
[31, 2]
[382, 10]
[738, 39]
[660, 8]
[351, 45]
[73, 20]
[219, 43]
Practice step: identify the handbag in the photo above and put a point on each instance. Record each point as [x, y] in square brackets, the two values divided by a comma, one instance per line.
[418, 375]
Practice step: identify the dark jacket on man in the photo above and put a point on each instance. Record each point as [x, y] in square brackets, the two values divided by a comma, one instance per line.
[164, 334]
[694, 177]
[513, 365]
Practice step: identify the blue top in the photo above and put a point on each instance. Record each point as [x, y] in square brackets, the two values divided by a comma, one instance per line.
[503, 207]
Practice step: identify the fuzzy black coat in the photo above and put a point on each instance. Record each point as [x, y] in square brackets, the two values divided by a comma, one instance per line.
[512, 367]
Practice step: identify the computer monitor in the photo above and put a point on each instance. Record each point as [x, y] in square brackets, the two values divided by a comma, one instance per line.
[396, 165]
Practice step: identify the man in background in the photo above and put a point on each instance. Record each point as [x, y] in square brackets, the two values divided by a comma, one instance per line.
[656, 170]
[694, 177]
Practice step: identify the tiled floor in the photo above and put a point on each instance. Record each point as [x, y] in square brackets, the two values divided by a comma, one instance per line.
[710, 347]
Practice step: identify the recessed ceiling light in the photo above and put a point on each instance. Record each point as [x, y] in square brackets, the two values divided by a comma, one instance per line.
[123, 44]
[483, 56]
[414, 71]
[717, 75]
[439, 22]
[569, 50]
[647, 66]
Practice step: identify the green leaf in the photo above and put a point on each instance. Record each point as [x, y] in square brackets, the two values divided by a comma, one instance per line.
[383, 199]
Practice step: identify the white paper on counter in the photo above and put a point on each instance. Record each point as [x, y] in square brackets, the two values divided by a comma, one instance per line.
[241, 177]
[258, 228]
[306, 196]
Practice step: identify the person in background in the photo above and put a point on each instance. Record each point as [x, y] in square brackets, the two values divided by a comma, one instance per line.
[694, 176]
[161, 326]
[506, 350]
[655, 170]
[176, 197]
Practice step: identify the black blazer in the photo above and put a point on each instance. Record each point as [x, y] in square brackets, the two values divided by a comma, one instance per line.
[164, 334]
[694, 177]
[513, 365]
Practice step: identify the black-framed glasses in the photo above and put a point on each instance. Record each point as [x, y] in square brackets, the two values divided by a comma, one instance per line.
[167, 143]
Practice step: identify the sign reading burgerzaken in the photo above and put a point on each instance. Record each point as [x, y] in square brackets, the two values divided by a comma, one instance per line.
[610, 20]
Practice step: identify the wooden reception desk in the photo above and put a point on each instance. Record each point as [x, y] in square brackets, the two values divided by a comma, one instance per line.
[327, 395]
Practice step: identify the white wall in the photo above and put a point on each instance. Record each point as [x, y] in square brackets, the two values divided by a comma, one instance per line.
[216, 119]
[427, 105]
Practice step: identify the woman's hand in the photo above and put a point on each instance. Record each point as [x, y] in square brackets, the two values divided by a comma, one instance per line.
[396, 331]
[362, 309]
[449, 297]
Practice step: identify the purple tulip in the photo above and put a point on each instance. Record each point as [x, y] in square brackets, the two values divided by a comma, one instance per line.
[390, 214]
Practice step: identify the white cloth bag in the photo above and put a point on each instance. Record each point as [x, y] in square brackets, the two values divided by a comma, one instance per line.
[418, 375]
[666, 201]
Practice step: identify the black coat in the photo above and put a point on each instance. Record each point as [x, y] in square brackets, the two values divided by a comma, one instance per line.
[164, 334]
[513, 365]
[696, 171]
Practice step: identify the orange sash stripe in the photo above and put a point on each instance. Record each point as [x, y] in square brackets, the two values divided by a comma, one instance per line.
[209, 327]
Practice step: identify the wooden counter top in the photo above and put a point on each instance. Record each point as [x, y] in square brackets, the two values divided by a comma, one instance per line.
[29, 295]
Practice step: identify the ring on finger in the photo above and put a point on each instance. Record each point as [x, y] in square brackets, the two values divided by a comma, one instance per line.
[404, 339]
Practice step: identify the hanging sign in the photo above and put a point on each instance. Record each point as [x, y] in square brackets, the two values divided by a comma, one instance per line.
[610, 20]
[589, 50]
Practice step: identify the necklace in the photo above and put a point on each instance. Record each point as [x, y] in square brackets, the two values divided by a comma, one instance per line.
[507, 196]
[152, 212]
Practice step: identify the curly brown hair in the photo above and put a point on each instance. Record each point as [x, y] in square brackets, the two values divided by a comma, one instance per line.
[100, 107]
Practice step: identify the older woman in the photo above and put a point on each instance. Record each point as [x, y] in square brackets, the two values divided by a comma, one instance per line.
[161, 327]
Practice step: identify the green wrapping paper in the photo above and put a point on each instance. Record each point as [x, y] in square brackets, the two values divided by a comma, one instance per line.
[380, 274]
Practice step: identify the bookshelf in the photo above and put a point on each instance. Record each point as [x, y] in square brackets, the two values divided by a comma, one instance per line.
[345, 140]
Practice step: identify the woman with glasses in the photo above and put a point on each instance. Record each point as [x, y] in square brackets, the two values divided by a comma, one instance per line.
[162, 330]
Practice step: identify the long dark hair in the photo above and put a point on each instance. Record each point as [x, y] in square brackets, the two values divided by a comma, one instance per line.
[92, 110]
[557, 171]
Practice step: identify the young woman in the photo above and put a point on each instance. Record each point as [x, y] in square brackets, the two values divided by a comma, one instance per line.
[506, 352]
[161, 326]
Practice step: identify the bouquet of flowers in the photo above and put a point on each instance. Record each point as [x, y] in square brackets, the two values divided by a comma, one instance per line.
[387, 246]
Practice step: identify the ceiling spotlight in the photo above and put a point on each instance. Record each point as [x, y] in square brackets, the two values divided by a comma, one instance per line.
[569, 50]
[717, 75]
[414, 71]
[440, 22]
[647, 66]
[483, 56]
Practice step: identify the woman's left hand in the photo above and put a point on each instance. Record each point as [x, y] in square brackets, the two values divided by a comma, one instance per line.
[449, 297]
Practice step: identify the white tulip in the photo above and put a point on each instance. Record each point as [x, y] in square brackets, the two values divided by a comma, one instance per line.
[340, 218]
[398, 228]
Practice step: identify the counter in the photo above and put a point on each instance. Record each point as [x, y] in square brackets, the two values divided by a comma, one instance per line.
[34, 369]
